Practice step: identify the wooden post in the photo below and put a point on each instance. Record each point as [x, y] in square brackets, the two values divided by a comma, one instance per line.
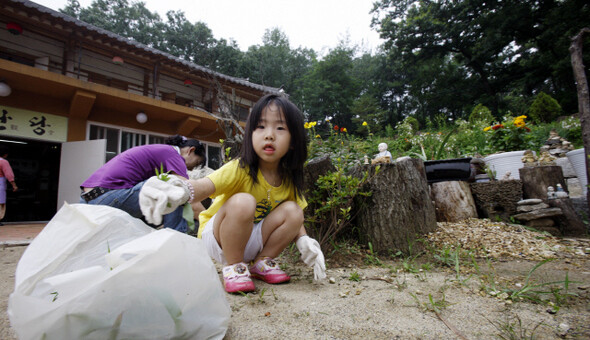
[583, 96]
[535, 180]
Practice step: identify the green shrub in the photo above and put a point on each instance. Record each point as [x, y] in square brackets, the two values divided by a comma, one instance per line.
[481, 113]
[413, 122]
[544, 109]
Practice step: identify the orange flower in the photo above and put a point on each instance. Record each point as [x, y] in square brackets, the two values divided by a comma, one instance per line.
[497, 126]
[336, 128]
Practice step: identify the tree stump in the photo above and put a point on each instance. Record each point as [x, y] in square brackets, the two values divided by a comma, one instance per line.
[569, 223]
[453, 201]
[313, 170]
[399, 211]
[535, 180]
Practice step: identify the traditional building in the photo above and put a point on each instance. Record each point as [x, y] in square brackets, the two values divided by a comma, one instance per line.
[72, 96]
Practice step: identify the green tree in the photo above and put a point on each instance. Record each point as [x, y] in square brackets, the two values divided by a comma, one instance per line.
[192, 42]
[544, 109]
[268, 64]
[493, 48]
[329, 89]
[131, 20]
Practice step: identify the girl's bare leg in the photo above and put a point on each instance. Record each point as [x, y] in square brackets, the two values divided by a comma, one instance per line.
[233, 226]
[280, 228]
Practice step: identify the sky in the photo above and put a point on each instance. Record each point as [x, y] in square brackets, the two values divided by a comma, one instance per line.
[317, 24]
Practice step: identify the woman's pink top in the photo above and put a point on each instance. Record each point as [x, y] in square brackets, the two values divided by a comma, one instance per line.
[6, 170]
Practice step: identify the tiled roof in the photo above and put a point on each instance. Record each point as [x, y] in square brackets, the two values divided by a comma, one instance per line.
[84, 25]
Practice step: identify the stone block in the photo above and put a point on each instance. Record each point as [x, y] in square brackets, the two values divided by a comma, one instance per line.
[497, 199]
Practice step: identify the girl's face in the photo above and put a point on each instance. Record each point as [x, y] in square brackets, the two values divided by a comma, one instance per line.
[271, 138]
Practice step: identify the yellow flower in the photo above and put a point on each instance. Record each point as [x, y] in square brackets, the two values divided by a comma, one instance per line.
[317, 136]
[487, 128]
[365, 124]
[344, 130]
[312, 124]
[306, 125]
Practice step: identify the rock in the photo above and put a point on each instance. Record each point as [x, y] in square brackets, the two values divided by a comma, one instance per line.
[537, 214]
[530, 201]
[553, 231]
[527, 208]
[541, 223]
[497, 199]
[563, 328]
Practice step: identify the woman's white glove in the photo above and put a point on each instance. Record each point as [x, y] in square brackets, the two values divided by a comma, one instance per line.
[311, 255]
[158, 197]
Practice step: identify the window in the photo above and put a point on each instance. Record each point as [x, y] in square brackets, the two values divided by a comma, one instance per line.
[130, 139]
[213, 156]
[112, 137]
[108, 81]
[243, 113]
[157, 140]
[119, 140]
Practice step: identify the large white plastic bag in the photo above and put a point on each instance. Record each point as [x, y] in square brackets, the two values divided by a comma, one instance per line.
[95, 272]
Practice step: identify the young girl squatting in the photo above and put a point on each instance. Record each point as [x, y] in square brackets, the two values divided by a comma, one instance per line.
[258, 204]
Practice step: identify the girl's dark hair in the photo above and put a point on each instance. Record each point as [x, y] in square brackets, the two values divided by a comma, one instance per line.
[182, 141]
[291, 165]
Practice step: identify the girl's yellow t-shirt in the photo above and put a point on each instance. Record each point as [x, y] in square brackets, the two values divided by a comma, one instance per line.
[231, 179]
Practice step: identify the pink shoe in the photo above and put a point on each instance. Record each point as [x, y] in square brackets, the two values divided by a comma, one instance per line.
[236, 278]
[268, 271]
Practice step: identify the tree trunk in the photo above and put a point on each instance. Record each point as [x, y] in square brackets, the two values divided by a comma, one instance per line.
[583, 96]
[453, 201]
[399, 211]
[569, 223]
[535, 180]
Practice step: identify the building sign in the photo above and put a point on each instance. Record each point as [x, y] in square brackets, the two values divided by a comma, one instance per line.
[30, 124]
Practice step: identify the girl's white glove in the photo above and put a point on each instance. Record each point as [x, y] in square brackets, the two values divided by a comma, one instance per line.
[158, 197]
[311, 255]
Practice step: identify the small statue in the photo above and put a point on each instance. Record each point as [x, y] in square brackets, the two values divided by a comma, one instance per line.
[383, 156]
[546, 159]
[560, 193]
[366, 160]
[507, 176]
[529, 159]
[550, 193]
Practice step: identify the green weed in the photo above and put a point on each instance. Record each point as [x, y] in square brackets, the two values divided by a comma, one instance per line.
[514, 329]
[354, 276]
[371, 258]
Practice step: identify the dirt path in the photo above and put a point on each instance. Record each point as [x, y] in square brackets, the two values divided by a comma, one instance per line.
[391, 302]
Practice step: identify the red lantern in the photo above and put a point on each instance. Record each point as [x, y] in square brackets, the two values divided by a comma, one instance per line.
[187, 82]
[14, 28]
[118, 60]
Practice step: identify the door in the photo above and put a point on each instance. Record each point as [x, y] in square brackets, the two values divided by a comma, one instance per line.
[78, 161]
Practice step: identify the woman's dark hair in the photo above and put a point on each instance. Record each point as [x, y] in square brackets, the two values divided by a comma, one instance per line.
[291, 165]
[182, 141]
